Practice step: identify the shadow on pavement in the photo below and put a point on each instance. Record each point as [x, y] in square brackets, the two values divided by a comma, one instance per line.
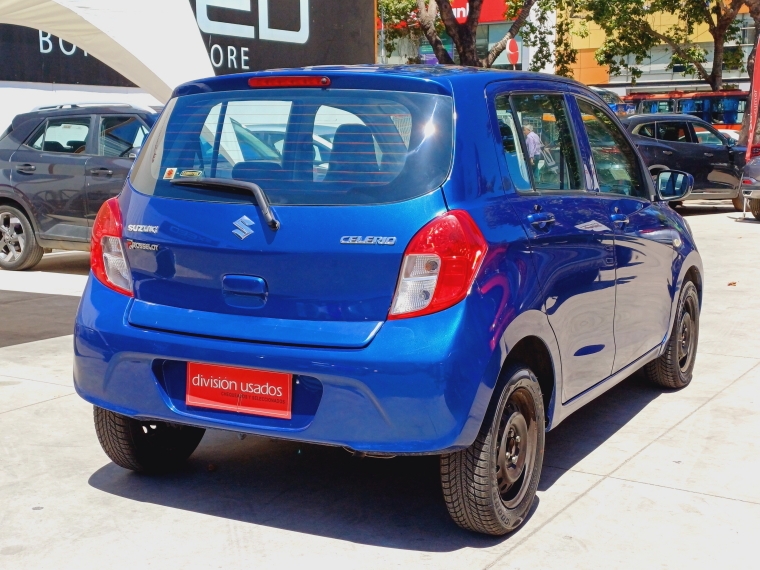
[324, 491]
[394, 503]
[592, 425]
[71, 262]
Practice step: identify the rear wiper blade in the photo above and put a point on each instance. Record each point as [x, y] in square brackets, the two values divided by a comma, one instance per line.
[235, 185]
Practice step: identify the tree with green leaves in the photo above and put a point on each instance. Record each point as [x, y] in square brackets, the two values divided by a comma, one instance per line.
[400, 23]
[631, 31]
[415, 19]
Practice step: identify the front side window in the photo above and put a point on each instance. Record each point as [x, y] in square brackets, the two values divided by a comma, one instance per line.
[617, 167]
[302, 146]
[673, 131]
[119, 136]
[552, 154]
[706, 135]
[67, 136]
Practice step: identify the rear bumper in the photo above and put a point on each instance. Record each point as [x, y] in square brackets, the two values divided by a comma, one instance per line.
[751, 192]
[421, 386]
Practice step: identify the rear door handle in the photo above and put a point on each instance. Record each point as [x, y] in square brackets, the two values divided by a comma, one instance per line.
[26, 168]
[619, 220]
[101, 172]
[541, 220]
[668, 152]
[709, 154]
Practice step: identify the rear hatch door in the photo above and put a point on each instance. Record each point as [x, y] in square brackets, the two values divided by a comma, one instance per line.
[351, 176]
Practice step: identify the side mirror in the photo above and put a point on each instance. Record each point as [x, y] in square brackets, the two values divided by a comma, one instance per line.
[674, 185]
[133, 153]
[730, 141]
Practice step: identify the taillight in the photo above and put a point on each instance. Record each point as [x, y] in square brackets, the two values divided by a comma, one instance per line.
[439, 266]
[749, 181]
[107, 259]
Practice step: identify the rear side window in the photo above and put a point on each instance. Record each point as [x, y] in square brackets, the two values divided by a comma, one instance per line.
[120, 135]
[552, 155]
[302, 146]
[517, 164]
[645, 130]
[673, 131]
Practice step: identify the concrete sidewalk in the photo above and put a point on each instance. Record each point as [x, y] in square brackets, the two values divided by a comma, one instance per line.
[639, 478]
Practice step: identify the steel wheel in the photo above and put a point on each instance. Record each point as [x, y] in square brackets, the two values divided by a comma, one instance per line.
[490, 486]
[675, 366]
[12, 238]
[516, 447]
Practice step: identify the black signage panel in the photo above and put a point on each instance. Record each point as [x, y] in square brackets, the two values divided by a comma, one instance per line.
[32, 55]
[249, 35]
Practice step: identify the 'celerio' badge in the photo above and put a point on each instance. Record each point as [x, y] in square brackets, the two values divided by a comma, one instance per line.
[369, 240]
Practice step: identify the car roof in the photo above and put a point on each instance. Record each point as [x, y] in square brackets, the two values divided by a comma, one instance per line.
[425, 78]
[79, 110]
[651, 117]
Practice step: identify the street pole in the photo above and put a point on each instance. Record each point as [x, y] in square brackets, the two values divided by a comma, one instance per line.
[383, 58]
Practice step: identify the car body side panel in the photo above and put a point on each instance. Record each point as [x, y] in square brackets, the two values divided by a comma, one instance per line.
[644, 250]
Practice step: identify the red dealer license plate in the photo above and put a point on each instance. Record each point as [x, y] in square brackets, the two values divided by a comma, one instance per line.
[242, 390]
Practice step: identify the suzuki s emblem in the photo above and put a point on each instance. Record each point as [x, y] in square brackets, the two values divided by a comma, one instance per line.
[243, 227]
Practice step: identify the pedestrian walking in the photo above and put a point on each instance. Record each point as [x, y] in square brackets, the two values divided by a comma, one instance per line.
[533, 141]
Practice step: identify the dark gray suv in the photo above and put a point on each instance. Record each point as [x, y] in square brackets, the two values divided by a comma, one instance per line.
[57, 166]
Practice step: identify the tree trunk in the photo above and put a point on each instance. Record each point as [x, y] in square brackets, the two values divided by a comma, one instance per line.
[428, 12]
[464, 35]
[514, 29]
[716, 75]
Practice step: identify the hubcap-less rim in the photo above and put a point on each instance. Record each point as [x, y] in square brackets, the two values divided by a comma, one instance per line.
[687, 335]
[517, 440]
[12, 239]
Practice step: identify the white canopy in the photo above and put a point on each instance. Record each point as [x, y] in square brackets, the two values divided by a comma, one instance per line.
[155, 44]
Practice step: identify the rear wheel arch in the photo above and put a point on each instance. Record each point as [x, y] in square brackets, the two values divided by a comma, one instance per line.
[693, 275]
[533, 352]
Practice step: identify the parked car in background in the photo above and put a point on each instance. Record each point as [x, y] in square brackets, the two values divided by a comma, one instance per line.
[616, 103]
[683, 142]
[438, 288]
[57, 166]
[751, 186]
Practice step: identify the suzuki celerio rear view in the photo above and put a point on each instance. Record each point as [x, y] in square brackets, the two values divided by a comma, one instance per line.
[391, 260]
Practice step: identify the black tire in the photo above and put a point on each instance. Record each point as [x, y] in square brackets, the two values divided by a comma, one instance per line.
[675, 204]
[754, 207]
[480, 494]
[145, 446]
[674, 368]
[19, 249]
[738, 202]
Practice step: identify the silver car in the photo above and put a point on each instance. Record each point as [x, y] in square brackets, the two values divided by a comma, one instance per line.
[751, 186]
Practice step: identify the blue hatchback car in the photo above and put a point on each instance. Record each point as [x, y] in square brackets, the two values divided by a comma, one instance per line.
[394, 260]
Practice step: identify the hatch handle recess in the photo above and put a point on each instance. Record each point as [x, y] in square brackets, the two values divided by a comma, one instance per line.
[241, 186]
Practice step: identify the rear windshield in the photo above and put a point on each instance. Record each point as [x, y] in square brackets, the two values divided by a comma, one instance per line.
[302, 146]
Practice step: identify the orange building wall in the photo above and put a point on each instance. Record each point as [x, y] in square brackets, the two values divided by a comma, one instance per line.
[587, 70]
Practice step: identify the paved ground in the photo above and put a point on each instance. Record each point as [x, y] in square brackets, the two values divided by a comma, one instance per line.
[640, 478]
